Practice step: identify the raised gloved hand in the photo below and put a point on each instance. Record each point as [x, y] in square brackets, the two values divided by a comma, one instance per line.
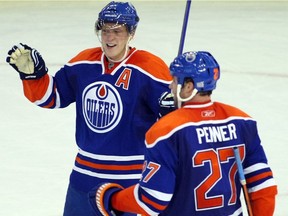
[27, 62]
[100, 198]
[166, 103]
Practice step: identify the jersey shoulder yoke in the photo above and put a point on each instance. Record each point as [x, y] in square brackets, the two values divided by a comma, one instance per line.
[92, 54]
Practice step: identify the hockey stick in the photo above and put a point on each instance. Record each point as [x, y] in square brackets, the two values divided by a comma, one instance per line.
[242, 180]
[184, 27]
[182, 39]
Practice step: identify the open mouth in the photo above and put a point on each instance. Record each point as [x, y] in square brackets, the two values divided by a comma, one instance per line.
[110, 45]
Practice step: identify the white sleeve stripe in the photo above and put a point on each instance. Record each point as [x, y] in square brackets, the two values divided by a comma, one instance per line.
[48, 92]
[106, 175]
[255, 167]
[57, 102]
[158, 195]
[111, 157]
[141, 204]
[266, 184]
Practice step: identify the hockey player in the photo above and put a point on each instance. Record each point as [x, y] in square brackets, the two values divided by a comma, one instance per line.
[116, 90]
[189, 166]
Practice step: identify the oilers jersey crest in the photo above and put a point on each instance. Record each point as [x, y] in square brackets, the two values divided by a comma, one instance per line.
[102, 107]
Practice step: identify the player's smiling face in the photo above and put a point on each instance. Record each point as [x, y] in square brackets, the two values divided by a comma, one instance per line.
[114, 39]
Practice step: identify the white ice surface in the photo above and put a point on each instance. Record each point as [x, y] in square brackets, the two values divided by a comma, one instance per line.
[249, 40]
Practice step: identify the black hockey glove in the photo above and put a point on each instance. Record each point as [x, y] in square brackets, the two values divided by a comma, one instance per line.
[100, 199]
[166, 103]
[27, 62]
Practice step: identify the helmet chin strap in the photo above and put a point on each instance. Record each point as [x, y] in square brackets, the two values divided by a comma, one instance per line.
[180, 99]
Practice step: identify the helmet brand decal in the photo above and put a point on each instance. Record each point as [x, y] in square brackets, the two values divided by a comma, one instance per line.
[190, 57]
[200, 84]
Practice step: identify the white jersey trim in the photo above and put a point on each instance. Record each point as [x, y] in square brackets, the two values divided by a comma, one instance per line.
[106, 176]
[148, 74]
[266, 184]
[47, 93]
[83, 62]
[140, 203]
[158, 195]
[111, 157]
[57, 103]
[255, 167]
[198, 105]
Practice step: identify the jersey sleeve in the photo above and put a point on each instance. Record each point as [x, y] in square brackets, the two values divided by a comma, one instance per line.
[58, 91]
[261, 184]
[46, 93]
[35, 90]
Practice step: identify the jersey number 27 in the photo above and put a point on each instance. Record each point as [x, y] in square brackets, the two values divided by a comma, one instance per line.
[215, 158]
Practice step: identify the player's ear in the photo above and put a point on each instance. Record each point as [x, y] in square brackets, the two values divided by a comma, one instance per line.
[188, 86]
[131, 36]
[187, 89]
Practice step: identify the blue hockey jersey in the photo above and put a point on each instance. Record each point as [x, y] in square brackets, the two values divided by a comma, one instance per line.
[115, 106]
[190, 167]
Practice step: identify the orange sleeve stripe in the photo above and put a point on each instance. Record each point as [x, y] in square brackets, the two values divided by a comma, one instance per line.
[109, 167]
[155, 205]
[35, 89]
[258, 177]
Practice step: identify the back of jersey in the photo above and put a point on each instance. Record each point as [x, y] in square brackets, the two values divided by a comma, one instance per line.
[194, 149]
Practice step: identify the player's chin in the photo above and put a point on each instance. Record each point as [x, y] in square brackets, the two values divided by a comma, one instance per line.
[110, 51]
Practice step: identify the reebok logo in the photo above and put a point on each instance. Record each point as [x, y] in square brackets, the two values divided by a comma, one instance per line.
[208, 113]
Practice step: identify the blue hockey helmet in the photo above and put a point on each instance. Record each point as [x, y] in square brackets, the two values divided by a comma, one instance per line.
[118, 13]
[200, 66]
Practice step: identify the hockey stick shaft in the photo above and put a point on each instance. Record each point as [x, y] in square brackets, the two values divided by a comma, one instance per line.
[242, 180]
[184, 27]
